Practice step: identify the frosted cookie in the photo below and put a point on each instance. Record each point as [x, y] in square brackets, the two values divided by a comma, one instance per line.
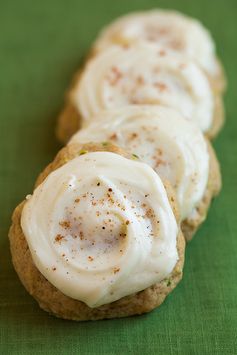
[171, 29]
[173, 146]
[141, 75]
[99, 237]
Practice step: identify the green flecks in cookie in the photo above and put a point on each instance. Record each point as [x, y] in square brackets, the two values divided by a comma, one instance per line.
[83, 152]
[135, 156]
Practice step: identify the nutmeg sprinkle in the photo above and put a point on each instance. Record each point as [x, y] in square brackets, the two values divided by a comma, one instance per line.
[65, 224]
[58, 238]
[113, 136]
[116, 269]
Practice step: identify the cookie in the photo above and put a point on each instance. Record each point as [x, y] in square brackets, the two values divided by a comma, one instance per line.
[141, 75]
[171, 29]
[33, 247]
[173, 146]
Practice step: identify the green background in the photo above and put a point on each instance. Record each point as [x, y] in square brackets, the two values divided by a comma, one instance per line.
[41, 46]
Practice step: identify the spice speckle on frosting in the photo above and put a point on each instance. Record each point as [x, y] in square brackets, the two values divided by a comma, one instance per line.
[116, 269]
[161, 86]
[65, 224]
[113, 136]
[59, 238]
[114, 76]
[162, 53]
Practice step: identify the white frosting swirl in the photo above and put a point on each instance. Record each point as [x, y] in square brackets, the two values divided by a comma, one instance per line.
[101, 227]
[170, 29]
[173, 146]
[144, 75]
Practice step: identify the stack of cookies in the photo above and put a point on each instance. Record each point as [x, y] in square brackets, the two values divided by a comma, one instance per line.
[103, 235]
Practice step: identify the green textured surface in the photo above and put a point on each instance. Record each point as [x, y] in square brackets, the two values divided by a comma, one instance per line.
[41, 44]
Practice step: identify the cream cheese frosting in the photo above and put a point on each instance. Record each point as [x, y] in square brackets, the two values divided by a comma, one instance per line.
[144, 74]
[101, 227]
[173, 146]
[170, 29]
